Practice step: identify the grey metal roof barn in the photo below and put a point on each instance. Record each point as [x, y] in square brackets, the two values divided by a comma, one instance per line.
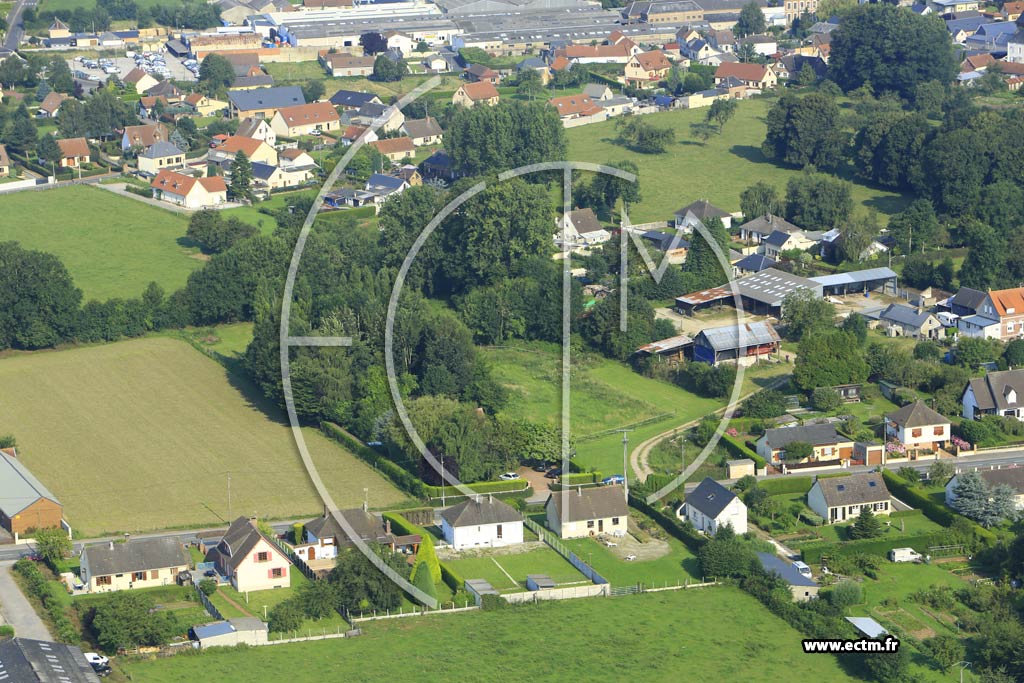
[135, 556]
[479, 511]
[23, 660]
[771, 286]
[19, 488]
[730, 337]
[710, 497]
[904, 315]
[867, 279]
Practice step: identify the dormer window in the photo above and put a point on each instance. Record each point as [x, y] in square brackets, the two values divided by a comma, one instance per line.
[1010, 394]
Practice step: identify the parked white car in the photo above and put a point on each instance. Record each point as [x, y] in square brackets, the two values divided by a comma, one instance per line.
[509, 476]
[94, 658]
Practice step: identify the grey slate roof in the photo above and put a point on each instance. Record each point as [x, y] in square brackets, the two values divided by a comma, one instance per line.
[352, 98]
[904, 315]
[992, 391]
[262, 171]
[710, 497]
[702, 209]
[916, 414]
[855, 489]
[139, 555]
[785, 570]
[728, 337]
[777, 238]
[19, 488]
[814, 434]
[366, 525]
[371, 110]
[766, 225]
[755, 263]
[161, 148]
[969, 298]
[249, 125]
[257, 81]
[387, 182]
[585, 221]
[422, 128]
[23, 660]
[593, 503]
[241, 537]
[1008, 476]
[479, 511]
[594, 91]
[267, 98]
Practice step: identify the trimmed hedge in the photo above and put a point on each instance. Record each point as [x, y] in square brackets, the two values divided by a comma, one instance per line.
[403, 526]
[813, 553]
[740, 450]
[40, 588]
[939, 514]
[788, 484]
[452, 578]
[514, 486]
[402, 478]
[690, 538]
[575, 478]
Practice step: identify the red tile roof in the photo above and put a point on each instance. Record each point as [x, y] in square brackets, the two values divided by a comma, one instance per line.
[574, 105]
[394, 145]
[181, 184]
[482, 90]
[237, 143]
[73, 147]
[742, 71]
[1008, 301]
[653, 61]
[309, 114]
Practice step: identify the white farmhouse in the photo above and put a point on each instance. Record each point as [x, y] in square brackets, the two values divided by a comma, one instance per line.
[711, 506]
[481, 523]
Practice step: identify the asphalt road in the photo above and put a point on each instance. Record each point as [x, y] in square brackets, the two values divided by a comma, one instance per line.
[15, 29]
[16, 610]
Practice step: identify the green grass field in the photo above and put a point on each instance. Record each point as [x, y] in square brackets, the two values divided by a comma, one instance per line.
[657, 637]
[678, 566]
[718, 171]
[518, 565]
[112, 246]
[302, 72]
[143, 434]
[605, 395]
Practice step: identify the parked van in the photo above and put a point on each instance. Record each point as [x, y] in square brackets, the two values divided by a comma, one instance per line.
[802, 568]
[904, 555]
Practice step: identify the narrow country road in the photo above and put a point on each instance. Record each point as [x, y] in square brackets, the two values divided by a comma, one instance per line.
[639, 458]
[16, 610]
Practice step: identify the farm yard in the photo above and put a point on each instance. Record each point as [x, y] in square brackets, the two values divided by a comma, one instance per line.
[112, 246]
[606, 395]
[656, 636]
[717, 171]
[507, 571]
[143, 434]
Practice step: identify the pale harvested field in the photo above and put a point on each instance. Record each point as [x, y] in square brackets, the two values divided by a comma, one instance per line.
[141, 435]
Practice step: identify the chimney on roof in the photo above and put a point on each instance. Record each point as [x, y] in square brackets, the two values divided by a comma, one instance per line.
[387, 526]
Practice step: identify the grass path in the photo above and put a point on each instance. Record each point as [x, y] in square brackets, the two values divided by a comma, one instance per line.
[640, 457]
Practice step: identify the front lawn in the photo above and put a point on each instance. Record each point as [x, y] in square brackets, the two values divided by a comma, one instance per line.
[498, 567]
[658, 637]
[718, 170]
[112, 246]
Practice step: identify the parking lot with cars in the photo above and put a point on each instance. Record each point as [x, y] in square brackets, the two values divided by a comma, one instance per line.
[160, 65]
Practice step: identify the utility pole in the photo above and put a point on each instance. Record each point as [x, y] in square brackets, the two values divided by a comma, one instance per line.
[442, 479]
[625, 463]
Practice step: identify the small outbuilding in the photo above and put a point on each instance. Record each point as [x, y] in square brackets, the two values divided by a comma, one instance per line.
[800, 586]
[539, 582]
[240, 631]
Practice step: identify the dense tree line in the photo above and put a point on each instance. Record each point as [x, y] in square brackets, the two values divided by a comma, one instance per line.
[486, 140]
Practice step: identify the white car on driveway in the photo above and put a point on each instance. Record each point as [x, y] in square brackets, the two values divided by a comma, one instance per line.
[509, 476]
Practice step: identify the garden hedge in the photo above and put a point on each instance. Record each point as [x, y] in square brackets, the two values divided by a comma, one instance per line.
[452, 578]
[689, 536]
[740, 450]
[401, 477]
[777, 486]
[812, 554]
[936, 512]
[514, 486]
